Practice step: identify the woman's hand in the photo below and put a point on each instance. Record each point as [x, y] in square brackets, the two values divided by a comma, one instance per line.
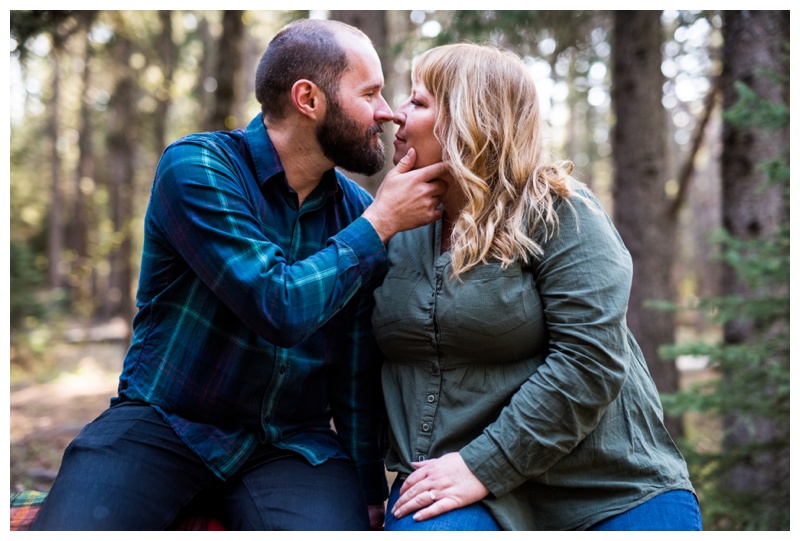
[437, 486]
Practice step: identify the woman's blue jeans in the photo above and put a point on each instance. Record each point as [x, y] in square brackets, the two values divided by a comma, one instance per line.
[474, 517]
[676, 510]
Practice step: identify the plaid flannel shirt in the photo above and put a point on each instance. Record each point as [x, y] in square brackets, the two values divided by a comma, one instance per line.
[253, 322]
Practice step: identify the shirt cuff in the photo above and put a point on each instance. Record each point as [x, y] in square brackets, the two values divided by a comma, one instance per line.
[368, 249]
[491, 466]
[372, 477]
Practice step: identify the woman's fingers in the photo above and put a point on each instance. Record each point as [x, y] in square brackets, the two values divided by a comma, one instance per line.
[417, 492]
[420, 499]
[438, 486]
[435, 509]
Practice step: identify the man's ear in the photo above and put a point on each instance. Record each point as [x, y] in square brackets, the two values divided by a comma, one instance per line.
[308, 99]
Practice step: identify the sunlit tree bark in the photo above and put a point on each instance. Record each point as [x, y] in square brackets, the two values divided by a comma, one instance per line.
[167, 57]
[79, 227]
[228, 74]
[55, 226]
[641, 206]
[122, 141]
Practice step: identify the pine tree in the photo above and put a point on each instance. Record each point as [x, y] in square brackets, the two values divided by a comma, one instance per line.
[753, 384]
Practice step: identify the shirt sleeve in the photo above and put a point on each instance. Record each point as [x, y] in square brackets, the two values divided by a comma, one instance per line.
[584, 280]
[356, 399]
[200, 205]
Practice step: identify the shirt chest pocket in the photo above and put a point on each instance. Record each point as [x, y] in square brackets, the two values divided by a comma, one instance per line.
[490, 300]
[392, 298]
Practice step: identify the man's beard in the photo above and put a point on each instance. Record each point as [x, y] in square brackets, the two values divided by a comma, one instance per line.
[344, 143]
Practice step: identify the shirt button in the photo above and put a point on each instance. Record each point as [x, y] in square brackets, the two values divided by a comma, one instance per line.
[431, 398]
[283, 369]
[426, 427]
[420, 458]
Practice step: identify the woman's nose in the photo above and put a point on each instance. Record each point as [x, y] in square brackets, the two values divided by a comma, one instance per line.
[399, 118]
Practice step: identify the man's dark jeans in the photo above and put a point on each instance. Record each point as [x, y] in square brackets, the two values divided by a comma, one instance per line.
[128, 470]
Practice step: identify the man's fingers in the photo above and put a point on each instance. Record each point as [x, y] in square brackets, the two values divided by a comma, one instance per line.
[407, 198]
[431, 172]
[438, 187]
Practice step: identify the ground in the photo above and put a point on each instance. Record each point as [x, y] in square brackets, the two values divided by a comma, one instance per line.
[45, 417]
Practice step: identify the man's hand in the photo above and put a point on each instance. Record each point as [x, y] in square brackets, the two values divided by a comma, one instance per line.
[376, 515]
[437, 486]
[407, 199]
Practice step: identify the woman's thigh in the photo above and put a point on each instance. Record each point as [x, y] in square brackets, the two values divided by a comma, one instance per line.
[474, 517]
[280, 490]
[126, 470]
[676, 510]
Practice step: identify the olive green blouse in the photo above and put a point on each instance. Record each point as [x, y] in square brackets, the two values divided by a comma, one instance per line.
[530, 373]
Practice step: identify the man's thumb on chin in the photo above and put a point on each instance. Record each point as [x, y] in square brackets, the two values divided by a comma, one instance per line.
[407, 161]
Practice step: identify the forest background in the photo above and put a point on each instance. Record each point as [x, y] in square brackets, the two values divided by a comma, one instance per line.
[678, 120]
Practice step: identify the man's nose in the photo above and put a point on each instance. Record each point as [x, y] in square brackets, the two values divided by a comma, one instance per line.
[383, 113]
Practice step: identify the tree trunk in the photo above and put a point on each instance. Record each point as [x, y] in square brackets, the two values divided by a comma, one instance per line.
[84, 187]
[55, 232]
[205, 71]
[641, 207]
[753, 53]
[228, 73]
[168, 52]
[122, 145]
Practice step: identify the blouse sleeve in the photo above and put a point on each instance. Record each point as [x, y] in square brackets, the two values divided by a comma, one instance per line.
[584, 280]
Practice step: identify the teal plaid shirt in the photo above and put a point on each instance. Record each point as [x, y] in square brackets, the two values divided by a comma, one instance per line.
[253, 322]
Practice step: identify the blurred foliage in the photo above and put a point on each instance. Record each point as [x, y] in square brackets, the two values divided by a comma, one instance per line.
[754, 382]
[522, 30]
[29, 24]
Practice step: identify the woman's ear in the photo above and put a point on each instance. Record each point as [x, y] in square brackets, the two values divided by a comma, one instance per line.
[308, 99]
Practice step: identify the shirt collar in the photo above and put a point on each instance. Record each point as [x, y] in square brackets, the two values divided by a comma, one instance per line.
[268, 163]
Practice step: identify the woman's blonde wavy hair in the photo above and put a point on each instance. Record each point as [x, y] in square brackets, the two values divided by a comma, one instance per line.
[489, 126]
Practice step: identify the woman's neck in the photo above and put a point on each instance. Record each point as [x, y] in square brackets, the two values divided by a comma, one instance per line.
[453, 203]
[448, 222]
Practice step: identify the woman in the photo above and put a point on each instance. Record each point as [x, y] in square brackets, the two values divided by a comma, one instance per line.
[517, 397]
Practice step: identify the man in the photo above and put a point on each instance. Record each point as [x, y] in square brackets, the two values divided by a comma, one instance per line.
[258, 267]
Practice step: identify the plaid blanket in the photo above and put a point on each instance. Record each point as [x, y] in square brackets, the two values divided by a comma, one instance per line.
[25, 506]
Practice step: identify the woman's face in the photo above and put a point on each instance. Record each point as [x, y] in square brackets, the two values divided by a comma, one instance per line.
[416, 118]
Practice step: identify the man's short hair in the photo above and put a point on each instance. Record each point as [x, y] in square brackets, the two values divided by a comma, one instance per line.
[304, 49]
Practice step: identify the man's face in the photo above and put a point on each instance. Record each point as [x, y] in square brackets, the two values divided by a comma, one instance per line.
[348, 144]
[350, 132]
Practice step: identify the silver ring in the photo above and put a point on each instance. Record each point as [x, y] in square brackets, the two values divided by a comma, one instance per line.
[432, 495]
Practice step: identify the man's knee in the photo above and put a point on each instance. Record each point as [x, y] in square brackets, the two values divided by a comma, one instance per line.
[291, 494]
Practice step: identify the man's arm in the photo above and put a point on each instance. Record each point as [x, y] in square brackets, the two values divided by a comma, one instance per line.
[199, 204]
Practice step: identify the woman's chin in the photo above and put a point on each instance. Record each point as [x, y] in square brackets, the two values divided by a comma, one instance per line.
[397, 156]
